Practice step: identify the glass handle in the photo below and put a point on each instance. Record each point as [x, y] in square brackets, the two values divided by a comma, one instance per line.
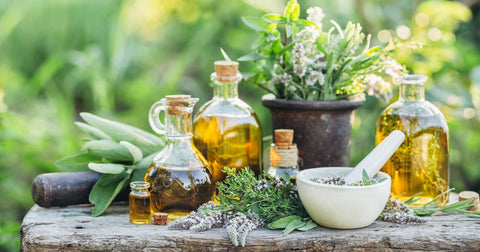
[154, 117]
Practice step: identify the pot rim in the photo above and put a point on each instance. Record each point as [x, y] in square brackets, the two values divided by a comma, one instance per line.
[270, 101]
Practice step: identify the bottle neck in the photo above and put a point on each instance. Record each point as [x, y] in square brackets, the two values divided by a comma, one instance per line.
[225, 90]
[178, 126]
[412, 92]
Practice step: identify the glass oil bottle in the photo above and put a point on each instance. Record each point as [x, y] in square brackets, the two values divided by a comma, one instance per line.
[420, 164]
[179, 176]
[283, 155]
[139, 203]
[226, 130]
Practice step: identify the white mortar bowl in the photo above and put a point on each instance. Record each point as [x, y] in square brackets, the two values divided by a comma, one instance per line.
[342, 207]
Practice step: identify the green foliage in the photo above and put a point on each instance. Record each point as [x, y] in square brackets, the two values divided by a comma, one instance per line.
[295, 59]
[274, 201]
[108, 153]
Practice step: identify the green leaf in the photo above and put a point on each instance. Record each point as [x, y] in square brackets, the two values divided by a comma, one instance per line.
[138, 174]
[93, 131]
[258, 42]
[106, 168]
[105, 190]
[365, 178]
[77, 162]
[109, 150]
[289, 30]
[277, 46]
[283, 222]
[248, 57]
[292, 10]
[145, 162]
[134, 151]
[147, 142]
[225, 55]
[255, 23]
[274, 18]
[309, 225]
[306, 23]
[294, 224]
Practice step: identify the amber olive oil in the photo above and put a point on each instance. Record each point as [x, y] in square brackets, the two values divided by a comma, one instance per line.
[420, 164]
[233, 142]
[139, 203]
[179, 191]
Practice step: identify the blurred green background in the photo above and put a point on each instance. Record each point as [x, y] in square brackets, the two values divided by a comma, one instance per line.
[115, 58]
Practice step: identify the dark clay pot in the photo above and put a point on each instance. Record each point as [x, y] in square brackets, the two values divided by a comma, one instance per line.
[322, 128]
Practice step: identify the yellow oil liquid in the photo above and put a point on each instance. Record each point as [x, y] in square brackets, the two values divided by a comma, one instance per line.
[179, 191]
[139, 207]
[233, 142]
[420, 164]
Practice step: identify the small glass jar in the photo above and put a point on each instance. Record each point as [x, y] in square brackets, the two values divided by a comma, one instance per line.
[139, 203]
[283, 155]
[420, 164]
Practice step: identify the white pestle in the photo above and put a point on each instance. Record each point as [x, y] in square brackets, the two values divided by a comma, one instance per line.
[374, 161]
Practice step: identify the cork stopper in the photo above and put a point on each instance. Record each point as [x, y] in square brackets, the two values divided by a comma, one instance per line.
[465, 195]
[283, 137]
[176, 103]
[226, 68]
[160, 218]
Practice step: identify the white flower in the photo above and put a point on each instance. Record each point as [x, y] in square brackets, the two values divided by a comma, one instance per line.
[308, 34]
[315, 15]
[299, 59]
[393, 69]
[377, 86]
[315, 77]
[285, 79]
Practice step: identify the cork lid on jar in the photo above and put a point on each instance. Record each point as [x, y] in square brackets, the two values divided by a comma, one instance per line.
[177, 104]
[283, 137]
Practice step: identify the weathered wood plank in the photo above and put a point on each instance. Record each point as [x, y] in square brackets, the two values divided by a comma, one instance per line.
[72, 228]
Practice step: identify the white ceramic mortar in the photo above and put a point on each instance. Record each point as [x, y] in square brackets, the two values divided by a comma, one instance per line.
[342, 207]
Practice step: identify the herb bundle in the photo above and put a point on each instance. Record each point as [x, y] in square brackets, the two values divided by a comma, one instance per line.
[121, 152]
[247, 202]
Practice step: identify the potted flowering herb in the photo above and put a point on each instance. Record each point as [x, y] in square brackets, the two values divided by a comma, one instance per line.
[316, 77]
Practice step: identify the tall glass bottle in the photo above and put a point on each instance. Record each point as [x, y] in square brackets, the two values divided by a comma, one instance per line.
[421, 163]
[225, 129]
[179, 176]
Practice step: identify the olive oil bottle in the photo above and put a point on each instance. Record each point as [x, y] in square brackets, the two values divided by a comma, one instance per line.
[180, 178]
[226, 130]
[420, 164]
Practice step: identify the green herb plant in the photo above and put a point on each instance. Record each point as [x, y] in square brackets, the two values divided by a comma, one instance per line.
[121, 152]
[246, 202]
[299, 59]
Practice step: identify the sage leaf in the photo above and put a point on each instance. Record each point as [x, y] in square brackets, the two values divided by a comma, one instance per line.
[294, 224]
[283, 222]
[98, 134]
[77, 162]
[105, 190]
[106, 168]
[308, 225]
[134, 151]
[365, 178]
[145, 162]
[147, 142]
[109, 150]
[138, 174]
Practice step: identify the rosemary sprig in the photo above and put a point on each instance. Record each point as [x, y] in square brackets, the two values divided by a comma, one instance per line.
[433, 206]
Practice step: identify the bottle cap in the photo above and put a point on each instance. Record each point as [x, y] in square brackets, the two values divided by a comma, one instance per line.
[465, 195]
[226, 68]
[177, 97]
[160, 218]
[283, 137]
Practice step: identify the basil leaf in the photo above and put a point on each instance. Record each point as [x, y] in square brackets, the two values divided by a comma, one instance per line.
[105, 190]
[77, 162]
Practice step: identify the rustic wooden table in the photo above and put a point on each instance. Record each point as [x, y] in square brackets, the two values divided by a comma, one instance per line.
[72, 228]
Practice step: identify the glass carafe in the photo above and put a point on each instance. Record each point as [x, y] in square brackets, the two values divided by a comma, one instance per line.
[226, 130]
[421, 163]
[179, 176]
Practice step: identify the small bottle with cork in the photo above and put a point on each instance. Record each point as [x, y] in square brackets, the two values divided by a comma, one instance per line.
[139, 203]
[283, 155]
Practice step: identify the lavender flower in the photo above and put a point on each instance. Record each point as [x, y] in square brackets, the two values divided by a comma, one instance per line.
[239, 225]
[398, 212]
